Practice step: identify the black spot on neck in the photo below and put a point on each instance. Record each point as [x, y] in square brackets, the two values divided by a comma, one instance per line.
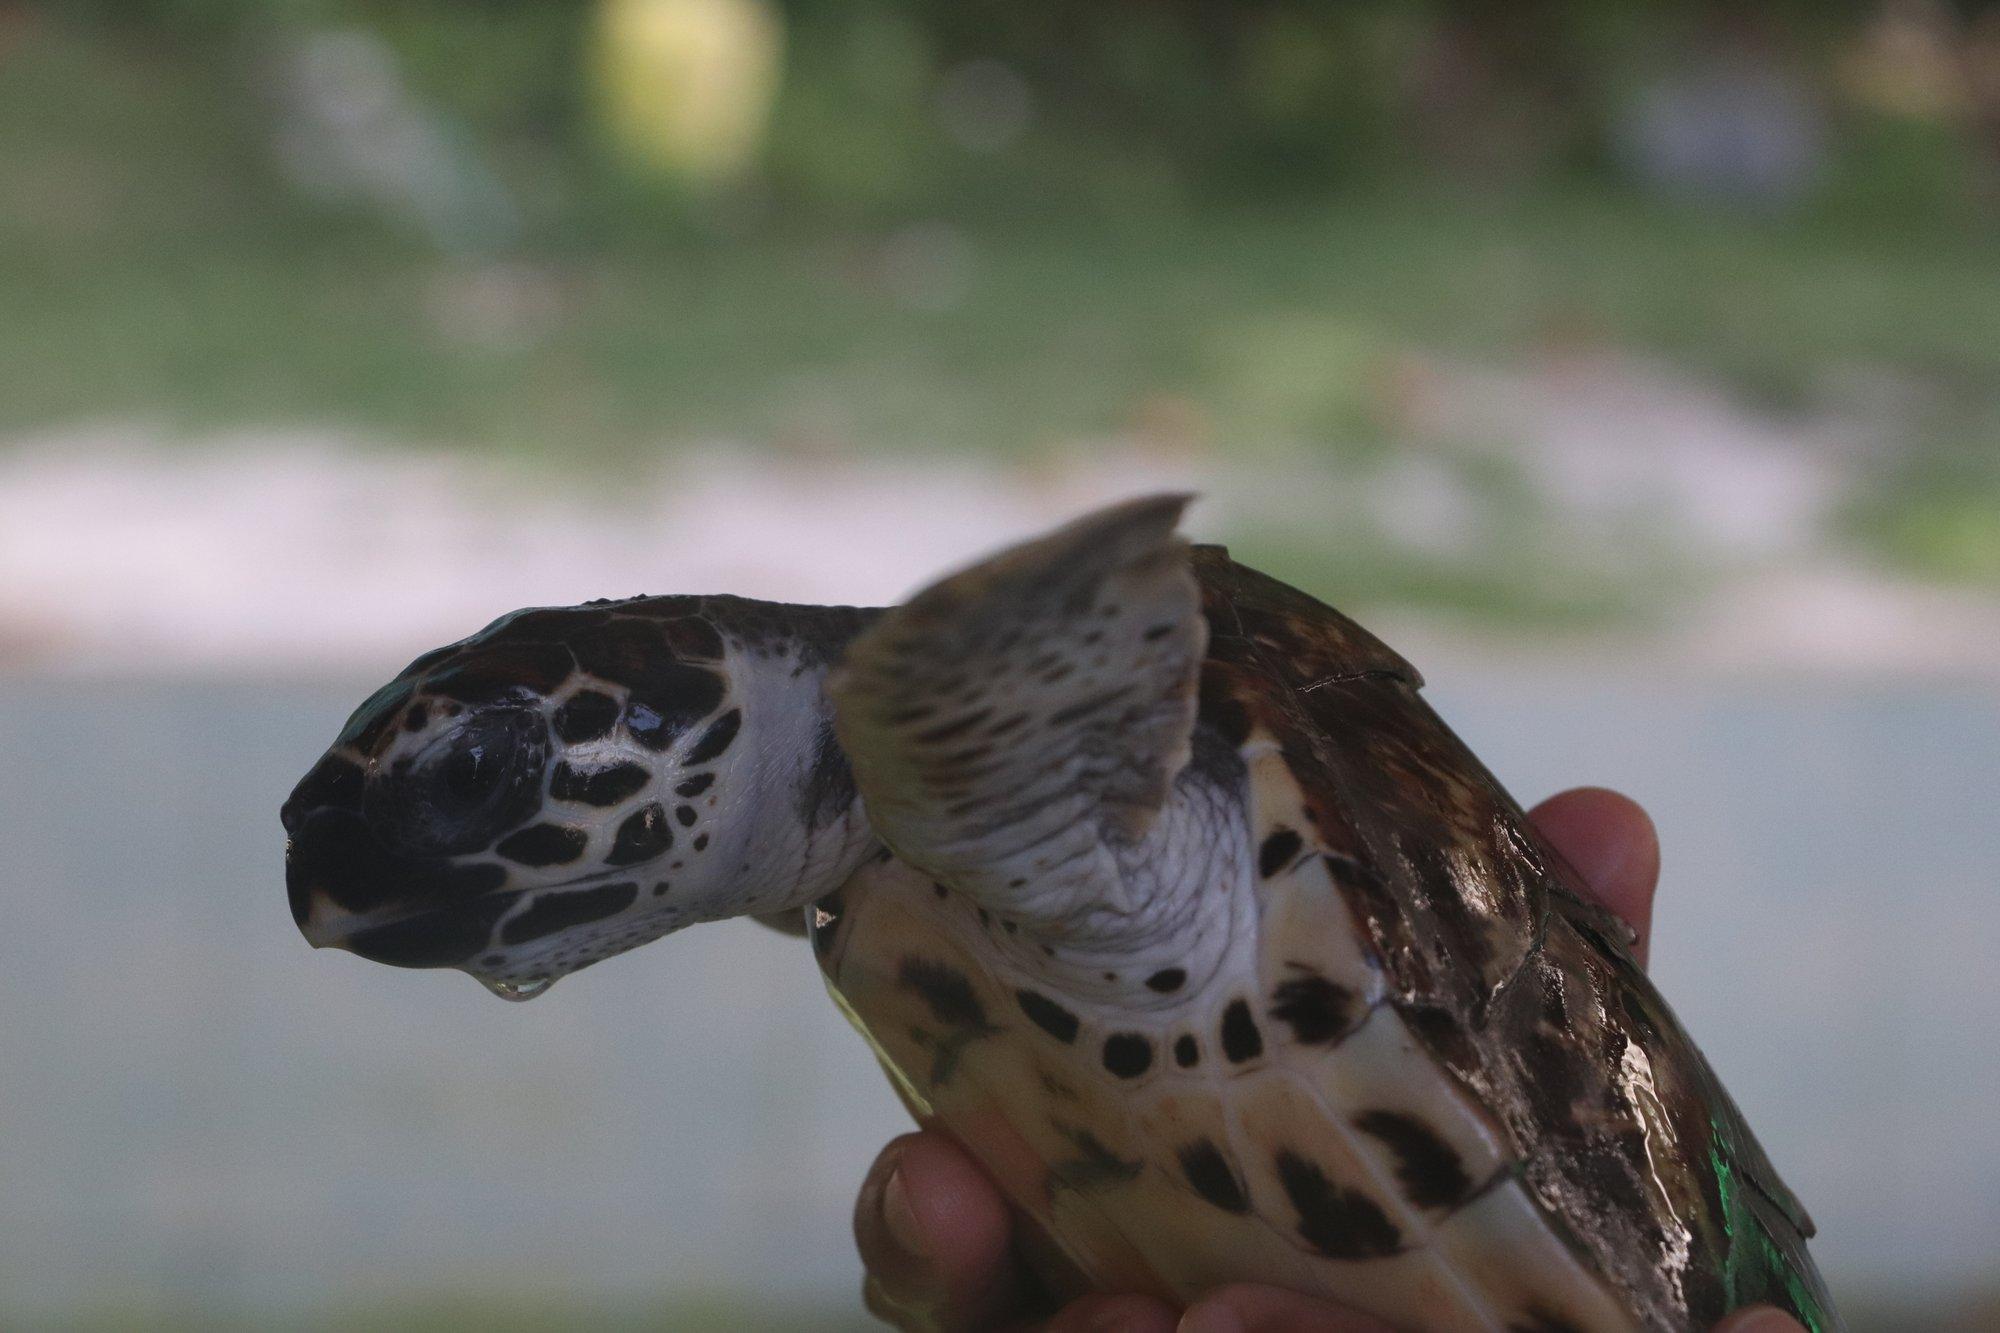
[1167, 980]
[1339, 1223]
[1429, 1168]
[695, 785]
[717, 738]
[1127, 1054]
[1187, 1054]
[1240, 1038]
[1047, 1015]
[643, 836]
[1209, 1172]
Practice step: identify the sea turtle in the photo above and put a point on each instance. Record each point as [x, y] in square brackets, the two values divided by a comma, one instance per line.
[1149, 878]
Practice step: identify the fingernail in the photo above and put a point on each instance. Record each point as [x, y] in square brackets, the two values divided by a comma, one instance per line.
[901, 1219]
[1210, 1317]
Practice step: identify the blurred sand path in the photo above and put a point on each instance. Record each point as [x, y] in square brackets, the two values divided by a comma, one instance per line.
[313, 555]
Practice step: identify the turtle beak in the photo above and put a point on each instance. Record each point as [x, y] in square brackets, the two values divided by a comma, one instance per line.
[323, 923]
[438, 937]
[313, 910]
[319, 918]
[406, 937]
[347, 893]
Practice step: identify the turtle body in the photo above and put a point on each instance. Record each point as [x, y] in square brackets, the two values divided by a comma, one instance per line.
[1155, 883]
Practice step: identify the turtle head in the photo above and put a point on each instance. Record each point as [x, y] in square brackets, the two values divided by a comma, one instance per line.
[569, 783]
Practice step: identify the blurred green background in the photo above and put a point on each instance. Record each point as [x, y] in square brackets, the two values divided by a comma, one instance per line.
[1247, 229]
[1633, 366]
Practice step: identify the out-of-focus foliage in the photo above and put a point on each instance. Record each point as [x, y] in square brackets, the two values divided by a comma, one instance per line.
[893, 105]
[1226, 226]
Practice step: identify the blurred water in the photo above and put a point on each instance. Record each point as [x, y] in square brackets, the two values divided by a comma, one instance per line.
[199, 1112]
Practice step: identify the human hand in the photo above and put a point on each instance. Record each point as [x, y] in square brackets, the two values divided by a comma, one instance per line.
[936, 1236]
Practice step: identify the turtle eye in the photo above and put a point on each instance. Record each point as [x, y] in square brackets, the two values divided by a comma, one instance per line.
[468, 785]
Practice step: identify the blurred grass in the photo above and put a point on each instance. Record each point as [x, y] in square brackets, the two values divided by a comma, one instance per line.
[153, 265]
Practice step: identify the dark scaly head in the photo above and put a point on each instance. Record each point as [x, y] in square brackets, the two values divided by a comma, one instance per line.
[571, 782]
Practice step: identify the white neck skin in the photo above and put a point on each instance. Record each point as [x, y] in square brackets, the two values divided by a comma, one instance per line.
[789, 830]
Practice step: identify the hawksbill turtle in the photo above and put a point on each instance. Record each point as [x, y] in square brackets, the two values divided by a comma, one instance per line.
[1152, 880]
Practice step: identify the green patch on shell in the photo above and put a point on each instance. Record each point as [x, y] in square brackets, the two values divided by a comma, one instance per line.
[1756, 1269]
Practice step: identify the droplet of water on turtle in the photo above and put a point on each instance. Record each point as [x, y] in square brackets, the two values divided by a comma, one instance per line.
[519, 990]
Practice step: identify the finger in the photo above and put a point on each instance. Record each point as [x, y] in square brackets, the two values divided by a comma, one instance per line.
[934, 1236]
[1760, 1319]
[1114, 1314]
[1612, 844]
[1250, 1309]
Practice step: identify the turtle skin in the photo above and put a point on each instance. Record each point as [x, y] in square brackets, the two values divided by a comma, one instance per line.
[1432, 1082]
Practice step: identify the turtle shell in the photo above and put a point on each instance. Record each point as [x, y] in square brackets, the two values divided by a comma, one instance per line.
[1429, 1080]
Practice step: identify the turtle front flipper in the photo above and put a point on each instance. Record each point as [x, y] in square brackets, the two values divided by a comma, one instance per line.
[1014, 726]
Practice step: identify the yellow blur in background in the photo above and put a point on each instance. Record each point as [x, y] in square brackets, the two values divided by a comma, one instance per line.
[685, 86]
